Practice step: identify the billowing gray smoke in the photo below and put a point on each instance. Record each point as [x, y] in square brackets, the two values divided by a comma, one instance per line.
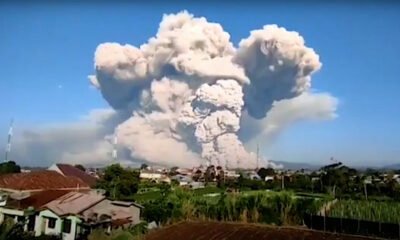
[279, 66]
[188, 86]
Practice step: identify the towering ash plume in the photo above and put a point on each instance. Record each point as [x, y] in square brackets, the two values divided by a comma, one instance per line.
[279, 66]
[188, 86]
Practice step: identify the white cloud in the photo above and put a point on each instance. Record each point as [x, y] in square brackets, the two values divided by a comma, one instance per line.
[284, 113]
[76, 142]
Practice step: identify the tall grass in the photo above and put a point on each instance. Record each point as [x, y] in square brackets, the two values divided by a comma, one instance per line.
[367, 210]
[281, 208]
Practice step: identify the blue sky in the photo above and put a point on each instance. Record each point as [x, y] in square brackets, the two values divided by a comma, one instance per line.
[44, 46]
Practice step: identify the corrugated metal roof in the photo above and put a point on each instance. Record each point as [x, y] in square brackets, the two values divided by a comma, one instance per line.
[40, 180]
[126, 204]
[74, 203]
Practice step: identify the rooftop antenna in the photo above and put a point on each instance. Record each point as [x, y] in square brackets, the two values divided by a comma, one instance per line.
[8, 147]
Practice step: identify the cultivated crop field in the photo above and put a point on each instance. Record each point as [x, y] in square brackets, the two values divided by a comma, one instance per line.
[388, 212]
[239, 231]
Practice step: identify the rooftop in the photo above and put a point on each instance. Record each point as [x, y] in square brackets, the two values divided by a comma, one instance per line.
[39, 181]
[126, 204]
[36, 200]
[74, 202]
[71, 171]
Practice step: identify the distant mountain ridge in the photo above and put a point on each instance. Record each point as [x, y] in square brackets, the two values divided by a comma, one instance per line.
[395, 166]
[300, 165]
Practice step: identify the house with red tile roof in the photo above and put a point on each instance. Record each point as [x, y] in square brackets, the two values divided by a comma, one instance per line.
[39, 181]
[71, 171]
[21, 207]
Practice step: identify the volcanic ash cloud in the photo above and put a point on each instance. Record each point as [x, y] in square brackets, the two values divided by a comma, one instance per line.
[188, 87]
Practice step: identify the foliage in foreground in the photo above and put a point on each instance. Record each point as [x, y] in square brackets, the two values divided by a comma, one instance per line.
[10, 231]
[9, 167]
[367, 210]
[133, 233]
[274, 208]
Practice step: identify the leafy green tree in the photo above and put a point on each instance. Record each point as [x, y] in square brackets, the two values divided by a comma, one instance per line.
[139, 229]
[337, 179]
[173, 171]
[220, 177]
[250, 184]
[165, 189]
[119, 182]
[209, 175]
[9, 167]
[144, 166]
[197, 175]
[300, 182]
[158, 211]
[263, 172]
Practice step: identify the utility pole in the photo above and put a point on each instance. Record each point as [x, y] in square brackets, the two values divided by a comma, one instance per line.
[8, 147]
[283, 181]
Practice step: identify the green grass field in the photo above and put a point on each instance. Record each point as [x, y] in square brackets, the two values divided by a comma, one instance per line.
[367, 210]
[143, 197]
[207, 190]
[150, 195]
[140, 197]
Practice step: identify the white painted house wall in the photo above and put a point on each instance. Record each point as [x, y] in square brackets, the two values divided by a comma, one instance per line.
[74, 228]
[42, 220]
[269, 178]
[42, 227]
[9, 211]
[12, 212]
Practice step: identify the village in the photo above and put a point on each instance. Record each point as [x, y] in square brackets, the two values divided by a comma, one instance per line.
[66, 201]
[63, 199]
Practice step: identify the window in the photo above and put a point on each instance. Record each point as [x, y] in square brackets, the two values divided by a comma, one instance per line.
[66, 226]
[51, 222]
